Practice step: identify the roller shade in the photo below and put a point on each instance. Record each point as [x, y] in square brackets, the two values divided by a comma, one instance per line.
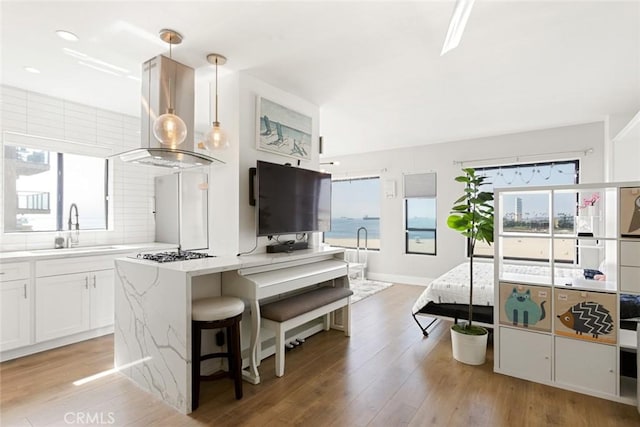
[420, 185]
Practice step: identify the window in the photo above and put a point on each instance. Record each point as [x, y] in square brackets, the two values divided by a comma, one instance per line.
[41, 185]
[355, 205]
[530, 213]
[420, 226]
[420, 213]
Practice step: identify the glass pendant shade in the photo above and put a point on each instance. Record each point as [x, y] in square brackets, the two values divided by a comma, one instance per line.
[216, 138]
[170, 129]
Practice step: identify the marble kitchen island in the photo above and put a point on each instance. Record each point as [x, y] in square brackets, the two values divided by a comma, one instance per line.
[153, 310]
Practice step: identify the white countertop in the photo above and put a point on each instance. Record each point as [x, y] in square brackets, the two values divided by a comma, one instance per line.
[202, 266]
[40, 254]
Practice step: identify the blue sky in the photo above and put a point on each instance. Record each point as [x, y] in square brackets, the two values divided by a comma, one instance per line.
[355, 198]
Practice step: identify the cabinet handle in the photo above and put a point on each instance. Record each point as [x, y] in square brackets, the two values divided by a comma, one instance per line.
[94, 281]
[24, 288]
[86, 282]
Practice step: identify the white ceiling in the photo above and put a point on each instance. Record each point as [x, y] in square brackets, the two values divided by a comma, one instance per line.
[373, 67]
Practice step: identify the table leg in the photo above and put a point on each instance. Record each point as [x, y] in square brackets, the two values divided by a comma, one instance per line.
[253, 375]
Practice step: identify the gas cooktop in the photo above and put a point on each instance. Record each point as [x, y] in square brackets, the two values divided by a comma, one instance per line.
[173, 256]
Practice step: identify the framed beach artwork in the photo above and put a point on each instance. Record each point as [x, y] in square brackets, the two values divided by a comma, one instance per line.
[282, 130]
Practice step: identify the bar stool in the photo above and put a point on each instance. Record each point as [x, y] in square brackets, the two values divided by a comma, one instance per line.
[215, 313]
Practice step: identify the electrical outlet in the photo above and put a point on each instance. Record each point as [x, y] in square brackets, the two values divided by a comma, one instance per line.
[220, 338]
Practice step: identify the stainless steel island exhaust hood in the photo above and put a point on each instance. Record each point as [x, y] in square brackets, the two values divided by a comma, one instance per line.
[165, 80]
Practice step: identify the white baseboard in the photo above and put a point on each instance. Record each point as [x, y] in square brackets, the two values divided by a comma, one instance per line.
[397, 278]
[58, 342]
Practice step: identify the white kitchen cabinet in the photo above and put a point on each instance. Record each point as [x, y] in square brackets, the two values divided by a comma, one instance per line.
[525, 354]
[589, 366]
[102, 298]
[70, 303]
[15, 305]
[15, 314]
[62, 305]
[73, 295]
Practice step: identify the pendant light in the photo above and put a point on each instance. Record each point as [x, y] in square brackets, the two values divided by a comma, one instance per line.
[216, 137]
[170, 129]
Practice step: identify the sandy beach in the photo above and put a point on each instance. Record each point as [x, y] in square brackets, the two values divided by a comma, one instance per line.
[347, 242]
[520, 247]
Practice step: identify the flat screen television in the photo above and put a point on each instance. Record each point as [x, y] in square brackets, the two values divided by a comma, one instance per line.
[291, 199]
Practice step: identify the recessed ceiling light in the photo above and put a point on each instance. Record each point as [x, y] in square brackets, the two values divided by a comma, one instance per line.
[32, 70]
[67, 35]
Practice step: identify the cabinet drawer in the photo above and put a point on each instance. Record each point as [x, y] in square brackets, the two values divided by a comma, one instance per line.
[630, 254]
[54, 267]
[630, 279]
[14, 271]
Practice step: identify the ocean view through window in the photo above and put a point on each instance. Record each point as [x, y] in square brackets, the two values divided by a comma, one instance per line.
[420, 213]
[355, 203]
[420, 226]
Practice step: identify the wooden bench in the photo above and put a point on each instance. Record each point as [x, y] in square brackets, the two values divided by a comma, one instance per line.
[286, 314]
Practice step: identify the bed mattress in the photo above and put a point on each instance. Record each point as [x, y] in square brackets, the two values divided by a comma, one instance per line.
[453, 286]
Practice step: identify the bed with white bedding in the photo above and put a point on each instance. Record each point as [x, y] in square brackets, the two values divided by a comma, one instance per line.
[448, 295]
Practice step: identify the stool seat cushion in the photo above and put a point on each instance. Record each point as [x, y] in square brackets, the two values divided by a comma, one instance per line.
[215, 308]
[285, 309]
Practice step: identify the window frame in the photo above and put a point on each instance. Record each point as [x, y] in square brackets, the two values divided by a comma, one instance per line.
[345, 179]
[59, 220]
[575, 162]
[407, 229]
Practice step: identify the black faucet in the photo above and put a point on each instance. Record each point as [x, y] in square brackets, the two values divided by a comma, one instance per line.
[73, 241]
[73, 205]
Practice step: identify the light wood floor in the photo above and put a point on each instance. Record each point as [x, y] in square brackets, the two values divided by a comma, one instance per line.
[386, 374]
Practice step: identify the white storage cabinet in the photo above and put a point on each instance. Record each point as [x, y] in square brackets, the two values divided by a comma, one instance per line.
[73, 295]
[15, 305]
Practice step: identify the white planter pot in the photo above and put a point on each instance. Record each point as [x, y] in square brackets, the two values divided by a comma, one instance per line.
[469, 349]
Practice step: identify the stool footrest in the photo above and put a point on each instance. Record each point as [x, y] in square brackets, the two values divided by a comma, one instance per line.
[214, 355]
[216, 376]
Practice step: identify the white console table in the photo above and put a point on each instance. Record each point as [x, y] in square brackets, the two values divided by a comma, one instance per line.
[152, 331]
[262, 283]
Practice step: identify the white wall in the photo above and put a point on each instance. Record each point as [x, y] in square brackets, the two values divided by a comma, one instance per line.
[624, 148]
[390, 263]
[249, 88]
[223, 179]
[57, 124]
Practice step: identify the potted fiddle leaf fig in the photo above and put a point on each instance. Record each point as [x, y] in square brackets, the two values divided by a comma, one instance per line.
[472, 216]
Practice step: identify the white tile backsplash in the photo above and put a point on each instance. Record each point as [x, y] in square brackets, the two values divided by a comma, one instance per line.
[132, 185]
